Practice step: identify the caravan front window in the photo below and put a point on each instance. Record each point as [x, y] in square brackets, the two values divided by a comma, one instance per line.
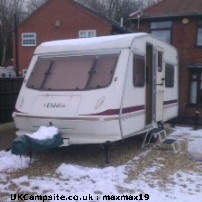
[73, 72]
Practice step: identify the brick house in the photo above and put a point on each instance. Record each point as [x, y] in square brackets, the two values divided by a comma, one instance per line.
[54, 20]
[179, 22]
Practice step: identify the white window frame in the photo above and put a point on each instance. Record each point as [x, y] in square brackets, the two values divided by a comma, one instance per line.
[26, 38]
[199, 34]
[87, 33]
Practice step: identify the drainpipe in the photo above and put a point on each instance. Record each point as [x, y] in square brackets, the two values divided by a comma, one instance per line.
[16, 44]
[196, 119]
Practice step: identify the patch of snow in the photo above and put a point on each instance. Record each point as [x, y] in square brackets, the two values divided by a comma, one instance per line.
[44, 133]
[186, 186]
[160, 159]
[195, 149]
[104, 180]
[185, 133]
[10, 162]
[96, 182]
[153, 169]
[71, 180]
[194, 139]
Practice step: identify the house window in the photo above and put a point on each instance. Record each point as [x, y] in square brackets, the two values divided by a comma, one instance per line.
[169, 75]
[161, 30]
[199, 34]
[87, 33]
[138, 71]
[29, 39]
[195, 87]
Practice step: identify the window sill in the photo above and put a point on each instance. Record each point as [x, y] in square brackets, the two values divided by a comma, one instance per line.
[23, 45]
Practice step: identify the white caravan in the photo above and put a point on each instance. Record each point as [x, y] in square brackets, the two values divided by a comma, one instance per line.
[98, 90]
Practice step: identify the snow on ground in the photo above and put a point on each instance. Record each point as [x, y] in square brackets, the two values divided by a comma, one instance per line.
[75, 180]
[194, 139]
[9, 162]
[186, 133]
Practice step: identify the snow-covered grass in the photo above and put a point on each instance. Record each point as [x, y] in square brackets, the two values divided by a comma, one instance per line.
[10, 162]
[75, 180]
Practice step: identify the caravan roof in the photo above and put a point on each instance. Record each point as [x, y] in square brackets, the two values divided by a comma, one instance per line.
[104, 42]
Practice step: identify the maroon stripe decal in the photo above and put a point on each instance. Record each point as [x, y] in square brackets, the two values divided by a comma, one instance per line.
[170, 102]
[110, 112]
[133, 109]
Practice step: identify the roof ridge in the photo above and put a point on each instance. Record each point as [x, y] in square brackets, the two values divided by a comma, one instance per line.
[172, 8]
[85, 7]
[155, 5]
[106, 18]
[147, 8]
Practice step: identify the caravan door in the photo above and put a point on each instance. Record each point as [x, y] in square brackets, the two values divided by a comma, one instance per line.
[159, 83]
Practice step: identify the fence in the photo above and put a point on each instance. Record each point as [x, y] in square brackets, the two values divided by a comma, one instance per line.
[9, 89]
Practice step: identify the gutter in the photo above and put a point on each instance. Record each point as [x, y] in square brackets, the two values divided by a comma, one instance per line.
[164, 17]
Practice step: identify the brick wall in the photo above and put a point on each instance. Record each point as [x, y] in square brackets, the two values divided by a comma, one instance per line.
[184, 39]
[72, 19]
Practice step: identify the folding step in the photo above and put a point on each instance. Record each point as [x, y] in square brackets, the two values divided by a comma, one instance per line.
[156, 132]
[174, 143]
[163, 138]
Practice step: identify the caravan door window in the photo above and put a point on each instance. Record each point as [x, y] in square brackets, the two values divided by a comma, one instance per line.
[138, 71]
[73, 72]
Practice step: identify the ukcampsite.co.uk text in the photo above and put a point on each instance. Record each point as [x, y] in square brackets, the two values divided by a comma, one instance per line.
[140, 197]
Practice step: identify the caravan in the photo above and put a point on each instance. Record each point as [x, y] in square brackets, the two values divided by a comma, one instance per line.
[98, 90]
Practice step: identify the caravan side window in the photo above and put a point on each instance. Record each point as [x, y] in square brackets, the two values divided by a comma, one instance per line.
[138, 71]
[169, 75]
